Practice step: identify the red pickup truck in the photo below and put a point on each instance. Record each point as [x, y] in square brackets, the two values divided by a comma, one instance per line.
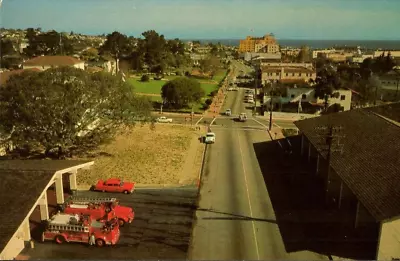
[114, 185]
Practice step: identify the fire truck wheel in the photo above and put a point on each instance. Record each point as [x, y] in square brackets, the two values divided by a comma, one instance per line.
[103, 190]
[100, 242]
[126, 192]
[121, 222]
[60, 239]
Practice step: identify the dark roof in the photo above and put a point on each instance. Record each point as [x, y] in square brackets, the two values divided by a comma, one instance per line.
[369, 163]
[22, 182]
[391, 111]
[19, 190]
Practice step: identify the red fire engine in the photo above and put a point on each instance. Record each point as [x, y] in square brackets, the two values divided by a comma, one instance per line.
[101, 209]
[74, 228]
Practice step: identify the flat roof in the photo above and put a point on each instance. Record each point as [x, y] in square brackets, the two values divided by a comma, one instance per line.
[22, 183]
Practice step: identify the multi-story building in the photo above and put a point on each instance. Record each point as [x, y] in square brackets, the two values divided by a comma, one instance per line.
[389, 90]
[285, 74]
[265, 44]
[315, 53]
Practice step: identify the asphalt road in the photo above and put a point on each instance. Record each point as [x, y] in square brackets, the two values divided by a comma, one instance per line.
[161, 229]
[235, 218]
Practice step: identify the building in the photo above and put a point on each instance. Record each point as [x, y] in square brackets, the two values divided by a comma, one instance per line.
[393, 53]
[279, 73]
[360, 179]
[265, 44]
[360, 58]
[316, 53]
[26, 186]
[389, 82]
[106, 63]
[46, 62]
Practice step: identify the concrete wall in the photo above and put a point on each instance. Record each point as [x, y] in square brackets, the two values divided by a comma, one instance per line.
[389, 241]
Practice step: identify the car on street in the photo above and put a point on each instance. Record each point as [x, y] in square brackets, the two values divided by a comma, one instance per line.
[114, 185]
[209, 138]
[242, 117]
[164, 119]
[228, 112]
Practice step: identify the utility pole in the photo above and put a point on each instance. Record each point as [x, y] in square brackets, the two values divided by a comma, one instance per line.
[270, 106]
[330, 137]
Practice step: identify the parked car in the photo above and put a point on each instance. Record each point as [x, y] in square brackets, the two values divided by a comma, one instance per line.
[209, 138]
[242, 117]
[228, 112]
[164, 119]
[114, 185]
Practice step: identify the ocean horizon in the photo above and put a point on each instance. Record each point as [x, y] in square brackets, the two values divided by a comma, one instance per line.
[316, 44]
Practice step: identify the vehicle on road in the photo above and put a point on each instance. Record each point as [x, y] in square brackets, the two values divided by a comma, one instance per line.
[164, 119]
[101, 209]
[114, 185]
[209, 138]
[75, 228]
[230, 89]
[228, 112]
[243, 117]
[250, 101]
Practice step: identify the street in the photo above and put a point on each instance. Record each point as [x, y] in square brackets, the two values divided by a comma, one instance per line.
[235, 218]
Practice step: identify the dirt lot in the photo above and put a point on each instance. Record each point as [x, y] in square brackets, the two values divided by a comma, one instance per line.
[148, 156]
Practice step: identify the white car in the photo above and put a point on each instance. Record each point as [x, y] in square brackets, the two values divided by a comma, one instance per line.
[163, 119]
[228, 112]
[230, 89]
[209, 138]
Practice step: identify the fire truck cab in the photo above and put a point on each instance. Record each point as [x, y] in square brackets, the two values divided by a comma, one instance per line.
[80, 228]
[101, 209]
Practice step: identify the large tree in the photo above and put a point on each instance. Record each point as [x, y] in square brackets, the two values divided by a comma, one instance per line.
[154, 47]
[181, 92]
[49, 43]
[66, 109]
[117, 45]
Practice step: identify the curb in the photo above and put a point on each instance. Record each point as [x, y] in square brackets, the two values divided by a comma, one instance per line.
[146, 186]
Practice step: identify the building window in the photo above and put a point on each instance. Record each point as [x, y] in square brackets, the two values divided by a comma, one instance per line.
[303, 96]
[292, 74]
[342, 97]
[299, 74]
[292, 96]
[287, 74]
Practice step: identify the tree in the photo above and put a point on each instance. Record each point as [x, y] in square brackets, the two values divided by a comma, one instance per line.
[50, 43]
[66, 109]
[116, 45]
[154, 47]
[182, 91]
[90, 54]
[6, 48]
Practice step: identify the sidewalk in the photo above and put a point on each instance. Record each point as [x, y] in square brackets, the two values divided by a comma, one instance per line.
[218, 100]
[276, 133]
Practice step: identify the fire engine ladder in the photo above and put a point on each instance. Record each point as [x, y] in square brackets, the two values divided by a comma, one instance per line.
[68, 227]
[84, 201]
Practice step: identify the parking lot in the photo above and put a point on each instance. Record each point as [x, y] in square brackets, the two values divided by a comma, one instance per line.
[161, 229]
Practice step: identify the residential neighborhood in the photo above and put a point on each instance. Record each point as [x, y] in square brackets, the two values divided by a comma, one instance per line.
[146, 143]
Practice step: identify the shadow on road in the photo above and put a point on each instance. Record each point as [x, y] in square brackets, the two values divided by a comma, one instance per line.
[297, 197]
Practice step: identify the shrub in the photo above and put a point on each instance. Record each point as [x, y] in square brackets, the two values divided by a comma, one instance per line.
[208, 101]
[145, 78]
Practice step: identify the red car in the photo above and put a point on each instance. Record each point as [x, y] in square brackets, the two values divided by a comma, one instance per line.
[114, 185]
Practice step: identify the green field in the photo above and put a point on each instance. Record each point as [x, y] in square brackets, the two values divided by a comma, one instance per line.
[154, 87]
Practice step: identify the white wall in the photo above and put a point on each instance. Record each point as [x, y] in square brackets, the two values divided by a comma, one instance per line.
[389, 241]
[80, 65]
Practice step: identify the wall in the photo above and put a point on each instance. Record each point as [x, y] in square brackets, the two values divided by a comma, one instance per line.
[346, 103]
[80, 65]
[305, 65]
[389, 242]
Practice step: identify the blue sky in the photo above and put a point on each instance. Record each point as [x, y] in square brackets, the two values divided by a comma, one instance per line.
[196, 19]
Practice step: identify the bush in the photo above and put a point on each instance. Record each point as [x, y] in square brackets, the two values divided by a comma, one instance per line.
[289, 132]
[213, 93]
[158, 77]
[208, 101]
[145, 78]
[206, 106]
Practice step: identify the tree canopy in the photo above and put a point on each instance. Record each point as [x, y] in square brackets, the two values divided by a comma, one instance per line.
[116, 45]
[49, 43]
[181, 91]
[66, 109]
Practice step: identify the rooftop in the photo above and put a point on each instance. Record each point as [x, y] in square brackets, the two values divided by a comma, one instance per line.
[52, 60]
[369, 163]
[22, 183]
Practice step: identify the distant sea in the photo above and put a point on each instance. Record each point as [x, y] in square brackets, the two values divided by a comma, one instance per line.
[319, 44]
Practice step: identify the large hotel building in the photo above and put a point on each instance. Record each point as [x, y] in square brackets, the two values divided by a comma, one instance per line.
[266, 44]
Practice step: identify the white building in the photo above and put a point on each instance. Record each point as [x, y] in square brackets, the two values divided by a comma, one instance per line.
[259, 56]
[323, 51]
[294, 95]
[47, 62]
[390, 82]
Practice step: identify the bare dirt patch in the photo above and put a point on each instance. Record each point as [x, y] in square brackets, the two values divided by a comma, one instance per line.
[144, 156]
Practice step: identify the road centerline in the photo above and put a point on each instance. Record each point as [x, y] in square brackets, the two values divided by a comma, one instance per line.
[248, 195]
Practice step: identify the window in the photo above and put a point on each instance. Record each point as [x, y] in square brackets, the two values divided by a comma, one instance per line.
[292, 74]
[342, 97]
[287, 74]
[299, 74]
[292, 96]
[303, 96]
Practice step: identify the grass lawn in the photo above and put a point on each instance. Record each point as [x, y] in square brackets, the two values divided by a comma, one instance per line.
[219, 75]
[154, 87]
[134, 156]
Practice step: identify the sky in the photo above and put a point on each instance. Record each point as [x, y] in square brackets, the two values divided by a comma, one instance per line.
[212, 19]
